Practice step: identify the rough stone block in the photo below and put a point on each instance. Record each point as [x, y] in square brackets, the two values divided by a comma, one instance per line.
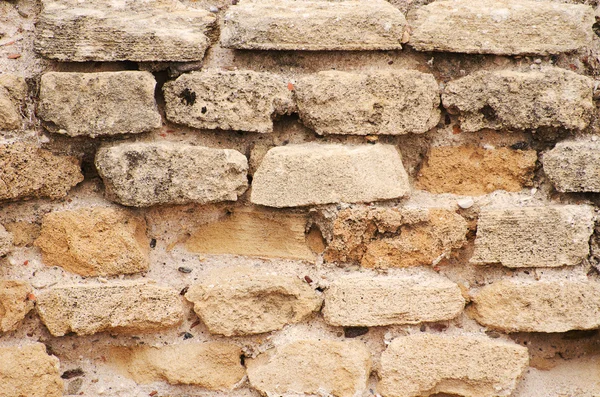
[506, 99]
[309, 174]
[228, 100]
[98, 104]
[507, 27]
[117, 307]
[6, 241]
[340, 369]
[313, 25]
[547, 236]
[122, 30]
[12, 93]
[14, 303]
[574, 166]
[142, 174]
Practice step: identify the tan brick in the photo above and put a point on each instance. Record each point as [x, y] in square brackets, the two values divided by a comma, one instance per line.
[380, 102]
[142, 174]
[242, 301]
[507, 27]
[313, 25]
[98, 104]
[27, 371]
[12, 94]
[29, 172]
[471, 170]
[212, 365]
[155, 30]
[506, 99]
[23, 233]
[465, 365]
[311, 173]
[6, 241]
[14, 303]
[95, 241]
[553, 305]
[125, 307]
[573, 166]
[374, 301]
[340, 369]
[543, 236]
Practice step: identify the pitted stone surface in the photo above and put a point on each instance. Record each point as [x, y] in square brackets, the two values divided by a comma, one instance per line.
[14, 304]
[574, 166]
[6, 241]
[12, 94]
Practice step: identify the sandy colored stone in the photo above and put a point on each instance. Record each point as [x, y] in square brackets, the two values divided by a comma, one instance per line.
[212, 365]
[379, 102]
[548, 236]
[574, 166]
[506, 99]
[465, 365]
[120, 307]
[95, 241]
[98, 104]
[122, 30]
[242, 301]
[506, 27]
[141, 174]
[471, 170]
[29, 172]
[6, 241]
[12, 94]
[228, 100]
[27, 371]
[311, 173]
[23, 233]
[366, 301]
[313, 25]
[554, 305]
[339, 369]
[14, 304]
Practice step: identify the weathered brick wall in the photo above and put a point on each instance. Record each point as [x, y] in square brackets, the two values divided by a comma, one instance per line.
[292, 197]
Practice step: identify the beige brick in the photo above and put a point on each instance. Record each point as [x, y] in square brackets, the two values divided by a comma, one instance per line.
[14, 303]
[6, 241]
[12, 94]
[98, 104]
[465, 365]
[374, 301]
[27, 371]
[141, 174]
[122, 307]
[29, 172]
[507, 27]
[506, 99]
[242, 301]
[311, 173]
[553, 305]
[313, 25]
[23, 233]
[573, 166]
[380, 102]
[340, 369]
[95, 241]
[473, 171]
[544, 236]
[228, 100]
[212, 365]
[121, 30]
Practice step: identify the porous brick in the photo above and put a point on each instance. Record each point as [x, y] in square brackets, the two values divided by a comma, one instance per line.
[6, 241]
[12, 93]
[574, 166]
[15, 303]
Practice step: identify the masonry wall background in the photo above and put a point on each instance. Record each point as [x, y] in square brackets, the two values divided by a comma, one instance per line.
[353, 198]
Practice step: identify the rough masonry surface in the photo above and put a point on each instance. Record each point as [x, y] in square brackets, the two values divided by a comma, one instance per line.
[15, 303]
[574, 166]
[13, 91]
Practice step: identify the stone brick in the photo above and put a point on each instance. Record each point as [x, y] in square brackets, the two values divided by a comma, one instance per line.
[548, 236]
[12, 93]
[28, 371]
[553, 305]
[574, 166]
[506, 99]
[142, 174]
[355, 301]
[14, 304]
[121, 30]
[414, 236]
[242, 301]
[98, 104]
[340, 369]
[23, 233]
[465, 365]
[212, 365]
[508, 27]
[123, 307]
[6, 241]
[29, 172]
[228, 100]
[381, 102]
[313, 25]
[311, 173]
[471, 170]
[95, 241]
